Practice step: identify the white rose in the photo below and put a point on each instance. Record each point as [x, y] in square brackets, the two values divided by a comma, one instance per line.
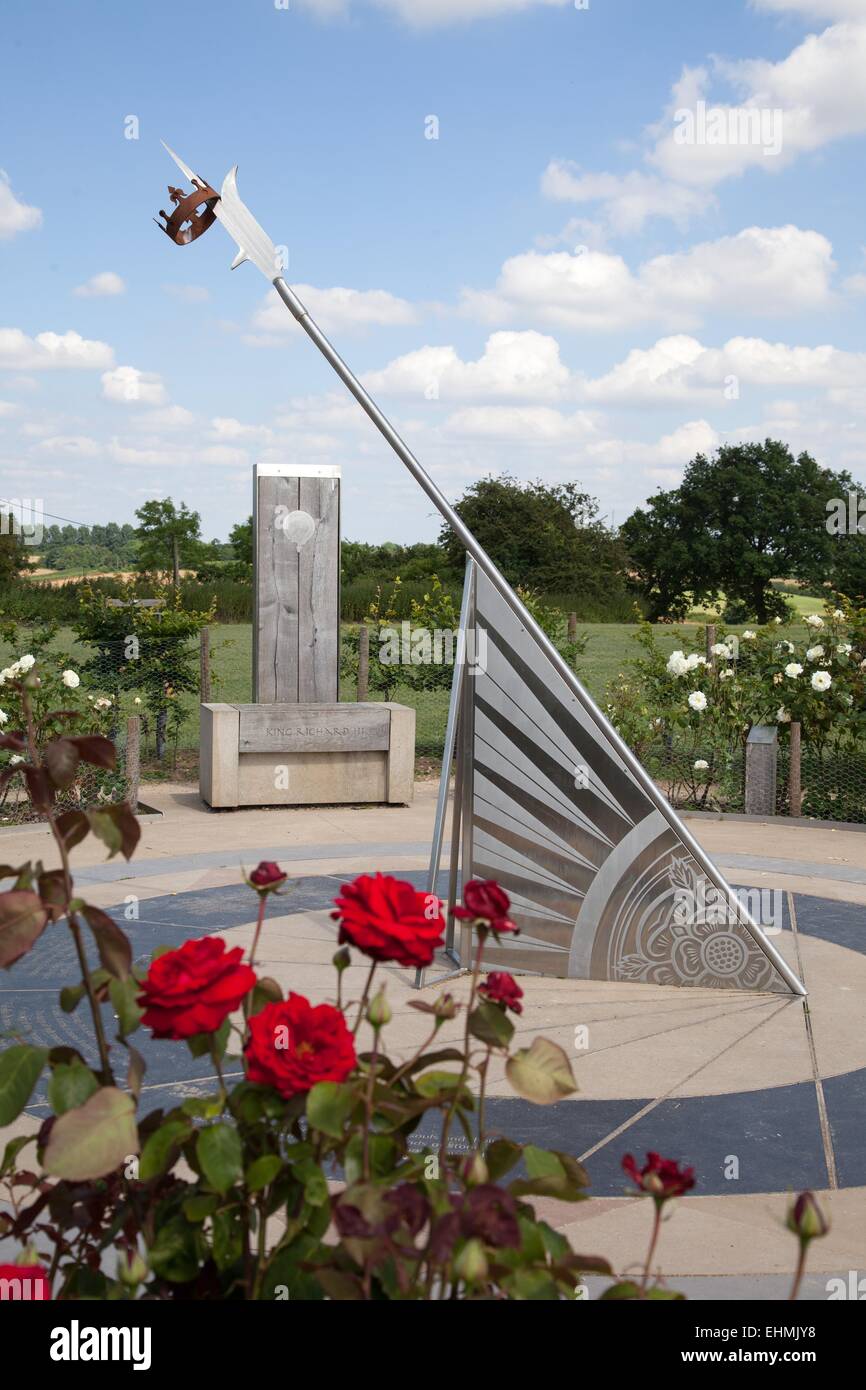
[701, 765]
[24, 663]
[844, 648]
[698, 700]
[748, 635]
[720, 649]
[3, 716]
[782, 715]
[777, 619]
[693, 661]
[136, 701]
[71, 679]
[814, 620]
[793, 669]
[785, 646]
[814, 653]
[16, 758]
[727, 675]
[837, 613]
[822, 680]
[102, 703]
[676, 665]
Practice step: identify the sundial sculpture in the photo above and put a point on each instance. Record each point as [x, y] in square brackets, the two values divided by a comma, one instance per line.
[606, 881]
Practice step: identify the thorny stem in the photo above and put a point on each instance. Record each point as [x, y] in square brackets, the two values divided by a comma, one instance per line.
[261, 918]
[105, 1065]
[482, 1097]
[458, 1089]
[364, 997]
[799, 1272]
[657, 1221]
[368, 1103]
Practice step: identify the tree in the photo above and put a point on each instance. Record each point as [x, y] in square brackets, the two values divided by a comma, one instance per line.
[168, 537]
[241, 541]
[14, 557]
[542, 537]
[749, 514]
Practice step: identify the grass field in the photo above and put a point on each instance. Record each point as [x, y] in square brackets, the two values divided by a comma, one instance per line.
[609, 647]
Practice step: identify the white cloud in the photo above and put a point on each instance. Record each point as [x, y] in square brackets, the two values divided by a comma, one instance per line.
[771, 113]
[225, 428]
[680, 368]
[541, 424]
[102, 286]
[427, 13]
[171, 417]
[814, 9]
[188, 294]
[15, 216]
[335, 308]
[513, 364]
[768, 270]
[629, 199]
[8, 408]
[48, 350]
[70, 444]
[132, 387]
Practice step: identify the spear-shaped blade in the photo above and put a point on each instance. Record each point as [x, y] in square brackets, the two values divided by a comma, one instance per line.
[252, 240]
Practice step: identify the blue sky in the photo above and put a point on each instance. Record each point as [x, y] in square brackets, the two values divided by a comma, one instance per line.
[561, 284]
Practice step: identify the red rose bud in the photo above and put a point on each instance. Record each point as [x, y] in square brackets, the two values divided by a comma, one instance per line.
[502, 988]
[342, 960]
[806, 1219]
[389, 920]
[267, 877]
[192, 990]
[25, 1282]
[292, 1046]
[662, 1178]
[486, 905]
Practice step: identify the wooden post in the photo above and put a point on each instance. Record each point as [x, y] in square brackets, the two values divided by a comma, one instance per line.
[795, 789]
[363, 663]
[133, 759]
[296, 550]
[572, 627]
[204, 666]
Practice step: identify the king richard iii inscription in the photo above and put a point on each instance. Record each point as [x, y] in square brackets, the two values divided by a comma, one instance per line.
[297, 745]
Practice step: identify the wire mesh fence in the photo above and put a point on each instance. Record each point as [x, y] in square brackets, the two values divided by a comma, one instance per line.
[699, 777]
[832, 782]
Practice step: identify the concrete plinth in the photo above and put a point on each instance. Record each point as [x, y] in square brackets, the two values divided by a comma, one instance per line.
[306, 755]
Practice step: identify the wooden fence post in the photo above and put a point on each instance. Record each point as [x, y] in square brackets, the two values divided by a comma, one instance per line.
[363, 663]
[204, 666]
[133, 759]
[795, 789]
[572, 627]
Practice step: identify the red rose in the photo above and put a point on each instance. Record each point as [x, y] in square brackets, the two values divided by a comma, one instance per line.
[488, 904]
[267, 875]
[28, 1282]
[501, 988]
[193, 989]
[292, 1046]
[388, 919]
[660, 1177]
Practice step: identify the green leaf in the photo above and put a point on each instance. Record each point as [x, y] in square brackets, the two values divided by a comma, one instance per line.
[161, 1147]
[665, 1295]
[173, 1255]
[220, 1154]
[112, 943]
[70, 1086]
[22, 920]
[122, 994]
[93, 1139]
[73, 827]
[315, 1183]
[501, 1156]
[11, 1152]
[117, 828]
[70, 997]
[490, 1024]
[227, 1236]
[199, 1207]
[626, 1289]
[20, 1069]
[262, 1172]
[436, 1083]
[541, 1073]
[329, 1106]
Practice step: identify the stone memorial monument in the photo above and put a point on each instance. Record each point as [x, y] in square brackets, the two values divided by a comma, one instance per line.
[297, 745]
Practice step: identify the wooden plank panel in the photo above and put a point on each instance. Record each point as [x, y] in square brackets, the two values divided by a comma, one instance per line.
[335, 728]
[275, 662]
[319, 593]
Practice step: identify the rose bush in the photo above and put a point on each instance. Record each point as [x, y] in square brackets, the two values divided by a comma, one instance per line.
[316, 1174]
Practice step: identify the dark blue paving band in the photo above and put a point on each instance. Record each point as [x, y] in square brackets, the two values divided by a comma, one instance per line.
[749, 1141]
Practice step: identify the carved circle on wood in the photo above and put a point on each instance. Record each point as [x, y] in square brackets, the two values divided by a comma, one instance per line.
[298, 527]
